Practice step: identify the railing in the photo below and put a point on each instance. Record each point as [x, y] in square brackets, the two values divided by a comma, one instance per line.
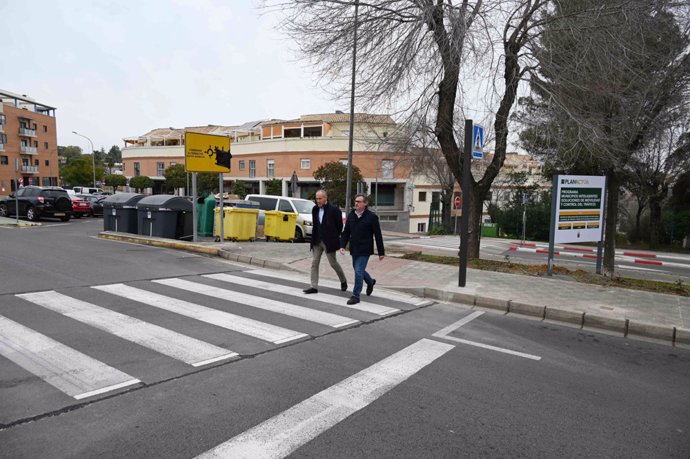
[27, 132]
[2, 147]
[30, 169]
[29, 150]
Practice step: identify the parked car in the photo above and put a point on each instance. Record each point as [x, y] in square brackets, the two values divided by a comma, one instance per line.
[96, 203]
[36, 202]
[81, 206]
[86, 190]
[302, 207]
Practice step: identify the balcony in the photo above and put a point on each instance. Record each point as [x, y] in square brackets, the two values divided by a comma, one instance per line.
[25, 149]
[2, 147]
[29, 169]
[27, 132]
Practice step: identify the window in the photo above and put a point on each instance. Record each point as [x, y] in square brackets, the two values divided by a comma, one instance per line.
[314, 131]
[292, 132]
[160, 169]
[387, 167]
[305, 163]
[421, 227]
[385, 195]
[36, 163]
[45, 128]
[270, 168]
[173, 163]
[3, 139]
[4, 160]
[45, 145]
[241, 164]
[47, 162]
[284, 206]
[137, 169]
[252, 168]
[343, 162]
[422, 196]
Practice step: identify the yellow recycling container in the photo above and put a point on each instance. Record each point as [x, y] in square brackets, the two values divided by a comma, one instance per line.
[280, 226]
[239, 224]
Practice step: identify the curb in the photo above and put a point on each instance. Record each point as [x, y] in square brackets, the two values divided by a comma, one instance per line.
[625, 327]
[580, 319]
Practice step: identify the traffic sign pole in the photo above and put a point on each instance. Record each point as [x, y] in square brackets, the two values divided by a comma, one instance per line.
[464, 223]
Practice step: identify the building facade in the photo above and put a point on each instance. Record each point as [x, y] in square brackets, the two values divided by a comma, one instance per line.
[294, 149]
[283, 149]
[28, 143]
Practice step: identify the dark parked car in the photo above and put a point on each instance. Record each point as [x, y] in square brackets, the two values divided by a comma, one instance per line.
[36, 202]
[96, 203]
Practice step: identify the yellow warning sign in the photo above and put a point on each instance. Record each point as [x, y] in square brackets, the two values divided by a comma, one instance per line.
[206, 152]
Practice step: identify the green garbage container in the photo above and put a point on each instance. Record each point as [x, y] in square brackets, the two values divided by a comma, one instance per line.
[205, 208]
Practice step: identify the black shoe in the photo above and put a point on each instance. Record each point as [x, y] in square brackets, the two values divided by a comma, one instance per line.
[310, 290]
[353, 300]
[370, 287]
[343, 286]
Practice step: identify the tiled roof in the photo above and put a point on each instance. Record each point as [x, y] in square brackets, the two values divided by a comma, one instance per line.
[337, 118]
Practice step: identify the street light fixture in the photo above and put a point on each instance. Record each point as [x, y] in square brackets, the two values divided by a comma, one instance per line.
[93, 156]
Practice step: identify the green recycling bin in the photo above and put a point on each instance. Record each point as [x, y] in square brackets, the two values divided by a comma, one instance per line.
[205, 207]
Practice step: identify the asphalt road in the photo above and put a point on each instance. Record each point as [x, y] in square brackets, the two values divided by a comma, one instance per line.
[439, 380]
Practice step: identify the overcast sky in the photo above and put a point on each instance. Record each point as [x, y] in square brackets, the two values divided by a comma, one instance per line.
[116, 69]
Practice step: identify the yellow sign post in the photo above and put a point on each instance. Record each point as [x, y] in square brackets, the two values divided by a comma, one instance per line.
[206, 152]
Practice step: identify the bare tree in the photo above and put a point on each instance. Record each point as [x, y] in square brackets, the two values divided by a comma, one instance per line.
[411, 55]
[654, 169]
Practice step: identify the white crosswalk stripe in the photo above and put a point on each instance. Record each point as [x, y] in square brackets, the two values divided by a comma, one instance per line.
[287, 431]
[261, 330]
[70, 371]
[187, 349]
[80, 375]
[378, 292]
[372, 308]
[312, 315]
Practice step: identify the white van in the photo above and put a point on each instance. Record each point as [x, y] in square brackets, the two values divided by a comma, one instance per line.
[86, 190]
[302, 207]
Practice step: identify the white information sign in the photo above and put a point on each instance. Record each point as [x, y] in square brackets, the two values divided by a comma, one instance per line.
[579, 208]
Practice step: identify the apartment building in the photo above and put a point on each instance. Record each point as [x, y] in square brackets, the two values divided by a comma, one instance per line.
[28, 143]
[280, 149]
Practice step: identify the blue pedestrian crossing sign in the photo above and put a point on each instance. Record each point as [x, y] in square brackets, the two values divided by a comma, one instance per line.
[477, 142]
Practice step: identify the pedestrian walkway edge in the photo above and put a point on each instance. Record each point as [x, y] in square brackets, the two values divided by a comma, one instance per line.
[624, 327]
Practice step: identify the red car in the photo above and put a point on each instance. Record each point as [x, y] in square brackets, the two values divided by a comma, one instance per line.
[80, 206]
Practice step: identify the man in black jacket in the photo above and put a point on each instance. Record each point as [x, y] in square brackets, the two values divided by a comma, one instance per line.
[325, 237]
[361, 228]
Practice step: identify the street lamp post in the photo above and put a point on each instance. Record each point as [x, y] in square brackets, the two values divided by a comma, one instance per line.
[93, 156]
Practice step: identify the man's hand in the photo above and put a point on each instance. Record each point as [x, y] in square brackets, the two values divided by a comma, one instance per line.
[342, 251]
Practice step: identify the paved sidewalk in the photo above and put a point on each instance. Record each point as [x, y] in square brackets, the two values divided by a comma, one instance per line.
[620, 311]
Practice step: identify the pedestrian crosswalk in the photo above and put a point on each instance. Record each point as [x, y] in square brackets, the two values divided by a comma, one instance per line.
[138, 315]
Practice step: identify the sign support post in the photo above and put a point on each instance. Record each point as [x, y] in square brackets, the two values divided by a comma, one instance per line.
[194, 224]
[16, 190]
[464, 223]
[221, 215]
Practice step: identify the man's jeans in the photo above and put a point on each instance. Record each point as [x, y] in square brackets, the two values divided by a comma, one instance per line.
[359, 263]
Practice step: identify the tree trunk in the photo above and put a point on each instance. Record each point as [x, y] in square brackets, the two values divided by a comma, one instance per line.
[446, 206]
[654, 222]
[638, 216]
[610, 225]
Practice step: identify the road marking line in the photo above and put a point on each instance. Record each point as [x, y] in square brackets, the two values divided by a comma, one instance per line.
[454, 326]
[77, 375]
[444, 332]
[300, 312]
[297, 292]
[489, 347]
[385, 294]
[289, 430]
[176, 345]
[261, 330]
